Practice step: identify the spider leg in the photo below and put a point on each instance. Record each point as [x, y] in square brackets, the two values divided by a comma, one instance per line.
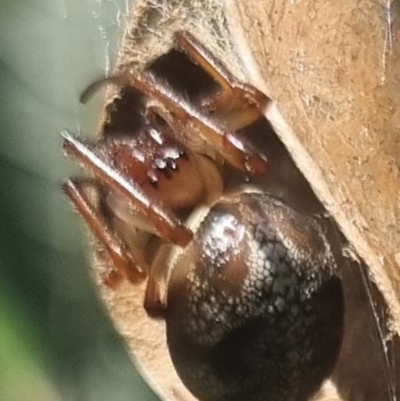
[234, 93]
[155, 302]
[166, 224]
[125, 262]
[236, 150]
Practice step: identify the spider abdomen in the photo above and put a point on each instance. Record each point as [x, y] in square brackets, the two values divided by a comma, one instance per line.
[255, 304]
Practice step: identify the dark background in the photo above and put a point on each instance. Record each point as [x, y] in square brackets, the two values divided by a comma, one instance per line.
[56, 341]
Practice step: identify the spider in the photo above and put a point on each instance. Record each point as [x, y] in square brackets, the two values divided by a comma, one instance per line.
[248, 286]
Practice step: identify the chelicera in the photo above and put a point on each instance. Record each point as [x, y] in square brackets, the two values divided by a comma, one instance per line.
[248, 286]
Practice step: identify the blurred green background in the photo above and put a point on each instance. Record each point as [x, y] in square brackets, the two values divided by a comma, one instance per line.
[56, 341]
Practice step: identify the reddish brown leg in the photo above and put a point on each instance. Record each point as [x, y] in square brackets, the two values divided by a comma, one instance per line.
[166, 224]
[246, 102]
[155, 296]
[231, 146]
[125, 263]
[234, 94]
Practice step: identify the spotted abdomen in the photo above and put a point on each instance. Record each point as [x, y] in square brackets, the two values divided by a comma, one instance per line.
[255, 304]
